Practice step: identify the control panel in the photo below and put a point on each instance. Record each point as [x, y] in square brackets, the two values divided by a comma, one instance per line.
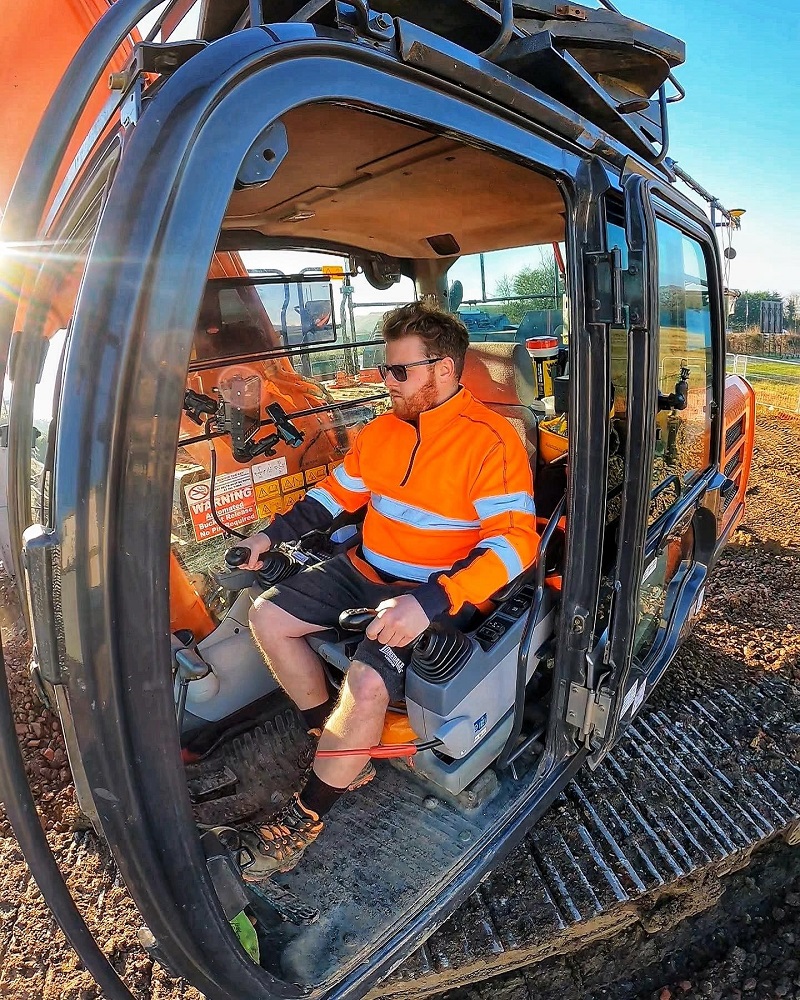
[503, 617]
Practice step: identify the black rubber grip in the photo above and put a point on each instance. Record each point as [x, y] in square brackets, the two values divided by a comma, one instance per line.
[356, 619]
[236, 556]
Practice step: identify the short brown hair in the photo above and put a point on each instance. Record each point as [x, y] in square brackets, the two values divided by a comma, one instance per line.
[444, 335]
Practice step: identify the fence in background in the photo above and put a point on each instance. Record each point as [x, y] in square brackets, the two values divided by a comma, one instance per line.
[776, 383]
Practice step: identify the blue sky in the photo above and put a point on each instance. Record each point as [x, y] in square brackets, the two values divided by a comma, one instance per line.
[737, 131]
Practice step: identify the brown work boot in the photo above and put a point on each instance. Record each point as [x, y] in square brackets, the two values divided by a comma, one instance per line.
[278, 845]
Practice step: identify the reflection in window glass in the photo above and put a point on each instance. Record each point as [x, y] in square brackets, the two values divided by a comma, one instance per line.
[682, 446]
[684, 354]
[238, 318]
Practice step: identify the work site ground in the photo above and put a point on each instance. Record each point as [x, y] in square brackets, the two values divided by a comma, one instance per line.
[728, 931]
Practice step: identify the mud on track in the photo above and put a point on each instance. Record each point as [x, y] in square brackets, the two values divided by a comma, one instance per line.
[748, 626]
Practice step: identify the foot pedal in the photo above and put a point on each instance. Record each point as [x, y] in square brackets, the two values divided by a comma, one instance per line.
[212, 785]
[284, 902]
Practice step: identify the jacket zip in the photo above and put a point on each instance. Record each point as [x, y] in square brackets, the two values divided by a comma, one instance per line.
[411, 460]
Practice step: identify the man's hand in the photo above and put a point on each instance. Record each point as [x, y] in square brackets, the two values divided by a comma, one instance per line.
[258, 545]
[399, 621]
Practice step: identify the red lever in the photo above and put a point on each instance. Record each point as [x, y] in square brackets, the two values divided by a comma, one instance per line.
[380, 751]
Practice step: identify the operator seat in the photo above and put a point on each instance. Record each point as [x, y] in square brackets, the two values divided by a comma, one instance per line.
[501, 376]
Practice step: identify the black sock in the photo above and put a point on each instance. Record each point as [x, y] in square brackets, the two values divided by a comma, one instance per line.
[315, 718]
[318, 795]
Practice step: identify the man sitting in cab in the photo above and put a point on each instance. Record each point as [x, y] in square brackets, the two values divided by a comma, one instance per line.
[449, 521]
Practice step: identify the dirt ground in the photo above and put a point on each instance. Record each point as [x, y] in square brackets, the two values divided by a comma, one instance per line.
[749, 624]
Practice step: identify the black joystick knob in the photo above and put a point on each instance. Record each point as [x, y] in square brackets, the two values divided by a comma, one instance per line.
[237, 556]
[356, 619]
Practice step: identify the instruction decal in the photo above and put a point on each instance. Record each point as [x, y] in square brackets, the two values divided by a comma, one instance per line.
[234, 502]
[271, 469]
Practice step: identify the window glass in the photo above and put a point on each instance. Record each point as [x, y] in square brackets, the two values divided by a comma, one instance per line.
[45, 403]
[240, 316]
[337, 381]
[510, 295]
[683, 421]
[684, 365]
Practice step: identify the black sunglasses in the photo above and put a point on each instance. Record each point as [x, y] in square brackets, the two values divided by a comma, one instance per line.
[400, 372]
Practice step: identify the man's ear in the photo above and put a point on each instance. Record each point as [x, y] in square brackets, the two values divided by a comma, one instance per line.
[448, 368]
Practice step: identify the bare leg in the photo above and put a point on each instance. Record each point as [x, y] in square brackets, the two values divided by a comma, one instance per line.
[295, 665]
[357, 721]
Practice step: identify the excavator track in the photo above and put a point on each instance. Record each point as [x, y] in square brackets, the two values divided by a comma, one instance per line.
[687, 795]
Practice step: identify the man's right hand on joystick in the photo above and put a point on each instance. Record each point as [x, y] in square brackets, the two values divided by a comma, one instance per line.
[249, 552]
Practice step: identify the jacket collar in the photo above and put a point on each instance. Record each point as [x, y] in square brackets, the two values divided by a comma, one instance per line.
[434, 421]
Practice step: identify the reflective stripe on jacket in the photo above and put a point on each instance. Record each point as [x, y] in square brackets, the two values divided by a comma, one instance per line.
[449, 502]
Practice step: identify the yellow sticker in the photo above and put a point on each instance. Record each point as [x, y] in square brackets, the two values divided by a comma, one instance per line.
[290, 499]
[269, 508]
[315, 475]
[266, 490]
[293, 482]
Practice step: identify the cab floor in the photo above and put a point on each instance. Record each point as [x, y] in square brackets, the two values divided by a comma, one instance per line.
[383, 849]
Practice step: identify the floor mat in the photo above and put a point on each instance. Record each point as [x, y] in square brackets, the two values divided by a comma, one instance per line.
[383, 847]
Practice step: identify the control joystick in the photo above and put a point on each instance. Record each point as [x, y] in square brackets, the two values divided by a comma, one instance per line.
[440, 653]
[357, 619]
[237, 556]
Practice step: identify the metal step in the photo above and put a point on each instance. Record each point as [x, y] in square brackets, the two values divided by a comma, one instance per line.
[688, 790]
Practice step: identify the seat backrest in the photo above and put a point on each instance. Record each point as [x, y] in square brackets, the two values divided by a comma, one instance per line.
[501, 376]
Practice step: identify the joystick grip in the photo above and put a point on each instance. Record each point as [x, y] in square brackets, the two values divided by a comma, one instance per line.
[356, 619]
[237, 556]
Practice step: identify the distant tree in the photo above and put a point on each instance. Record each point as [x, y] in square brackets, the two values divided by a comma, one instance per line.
[791, 313]
[748, 309]
[40, 448]
[532, 280]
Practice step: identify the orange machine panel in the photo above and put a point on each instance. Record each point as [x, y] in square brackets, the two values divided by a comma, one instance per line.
[738, 430]
[37, 42]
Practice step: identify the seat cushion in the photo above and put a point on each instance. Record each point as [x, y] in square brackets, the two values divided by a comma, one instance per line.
[500, 374]
[502, 377]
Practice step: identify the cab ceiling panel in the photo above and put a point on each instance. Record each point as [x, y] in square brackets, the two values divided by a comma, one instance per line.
[364, 181]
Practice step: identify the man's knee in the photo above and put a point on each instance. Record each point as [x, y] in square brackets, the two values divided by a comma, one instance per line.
[366, 686]
[265, 619]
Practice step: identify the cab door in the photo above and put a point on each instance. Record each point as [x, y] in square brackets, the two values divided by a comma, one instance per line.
[666, 361]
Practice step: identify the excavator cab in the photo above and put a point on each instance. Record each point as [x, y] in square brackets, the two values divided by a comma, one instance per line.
[195, 336]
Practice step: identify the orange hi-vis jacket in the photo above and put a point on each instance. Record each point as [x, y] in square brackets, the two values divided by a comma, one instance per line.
[449, 503]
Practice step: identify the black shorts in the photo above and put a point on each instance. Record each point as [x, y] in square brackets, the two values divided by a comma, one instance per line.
[319, 594]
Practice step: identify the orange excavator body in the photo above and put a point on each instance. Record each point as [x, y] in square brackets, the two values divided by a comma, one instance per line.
[38, 40]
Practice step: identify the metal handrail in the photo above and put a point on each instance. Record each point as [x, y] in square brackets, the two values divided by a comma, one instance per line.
[499, 45]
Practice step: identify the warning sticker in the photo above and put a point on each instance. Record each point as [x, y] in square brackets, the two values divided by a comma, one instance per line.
[315, 475]
[271, 469]
[290, 499]
[269, 508]
[234, 502]
[267, 491]
[293, 482]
